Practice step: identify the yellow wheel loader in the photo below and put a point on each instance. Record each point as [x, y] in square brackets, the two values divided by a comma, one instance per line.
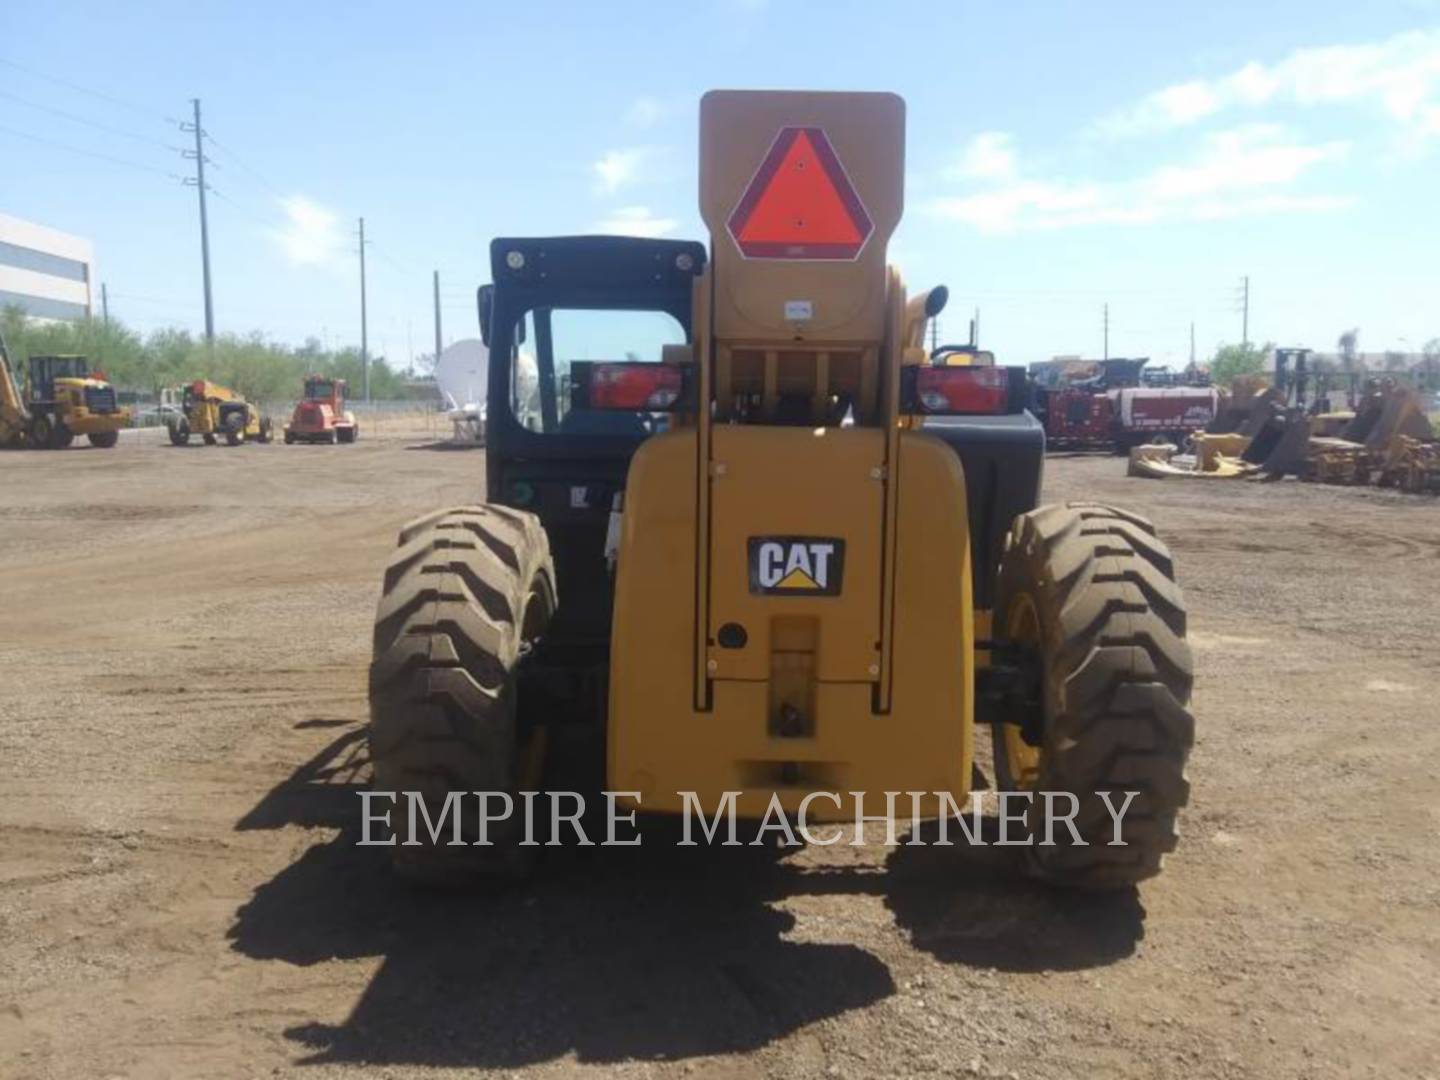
[63, 398]
[739, 517]
[214, 412]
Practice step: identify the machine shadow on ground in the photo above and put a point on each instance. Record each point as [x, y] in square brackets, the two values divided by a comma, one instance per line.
[971, 905]
[611, 954]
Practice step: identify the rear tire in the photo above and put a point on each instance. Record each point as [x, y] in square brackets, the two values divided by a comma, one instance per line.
[267, 430]
[466, 596]
[104, 440]
[61, 436]
[180, 433]
[210, 440]
[1095, 590]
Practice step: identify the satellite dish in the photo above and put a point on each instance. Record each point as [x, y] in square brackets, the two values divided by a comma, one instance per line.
[461, 373]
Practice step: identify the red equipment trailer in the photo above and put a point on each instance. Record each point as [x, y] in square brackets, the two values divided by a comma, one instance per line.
[321, 416]
[1102, 405]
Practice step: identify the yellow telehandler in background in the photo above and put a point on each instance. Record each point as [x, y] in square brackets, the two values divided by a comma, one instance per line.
[213, 411]
[828, 560]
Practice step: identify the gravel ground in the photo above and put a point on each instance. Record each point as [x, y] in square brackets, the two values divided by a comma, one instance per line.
[183, 642]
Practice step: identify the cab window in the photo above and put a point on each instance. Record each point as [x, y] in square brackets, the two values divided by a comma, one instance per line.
[549, 340]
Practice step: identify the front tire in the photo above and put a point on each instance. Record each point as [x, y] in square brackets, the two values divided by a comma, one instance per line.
[467, 594]
[104, 440]
[180, 433]
[1092, 590]
[42, 432]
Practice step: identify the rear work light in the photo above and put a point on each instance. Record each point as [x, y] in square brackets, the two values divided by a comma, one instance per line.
[628, 386]
[961, 391]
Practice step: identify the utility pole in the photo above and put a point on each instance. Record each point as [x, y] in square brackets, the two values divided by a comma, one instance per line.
[1192, 345]
[1107, 332]
[437, 316]
[364, 321]
[105, 304]
[1245, 312]
[198, 181]
[975, 330]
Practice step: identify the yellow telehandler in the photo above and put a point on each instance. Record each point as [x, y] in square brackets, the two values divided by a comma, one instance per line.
[213, 411]
[746, 522]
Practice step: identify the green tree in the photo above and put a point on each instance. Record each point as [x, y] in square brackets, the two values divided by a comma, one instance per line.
[262, 370]
[1232, 361]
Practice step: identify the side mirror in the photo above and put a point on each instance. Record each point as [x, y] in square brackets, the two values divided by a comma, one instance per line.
[485, 300]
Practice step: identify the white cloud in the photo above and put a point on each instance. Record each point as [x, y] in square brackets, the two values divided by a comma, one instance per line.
[1400, 75]
[312, 235]
[1240, 172]
[618, 168]
[635, 221]
[990, 156]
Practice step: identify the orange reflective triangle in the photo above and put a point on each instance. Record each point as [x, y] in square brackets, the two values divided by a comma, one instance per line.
[800, 204]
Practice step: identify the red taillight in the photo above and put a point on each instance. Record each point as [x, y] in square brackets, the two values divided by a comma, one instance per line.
[633, 387]
[962, 390]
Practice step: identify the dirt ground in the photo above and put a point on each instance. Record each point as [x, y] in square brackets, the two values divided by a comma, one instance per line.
[183, 645]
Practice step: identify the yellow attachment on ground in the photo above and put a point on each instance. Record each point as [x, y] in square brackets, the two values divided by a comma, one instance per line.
[1216, 456]
[1338, 461]
[1413, 466]
[1210, 450]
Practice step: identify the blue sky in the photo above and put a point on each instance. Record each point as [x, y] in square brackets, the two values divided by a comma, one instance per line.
[1059, 156]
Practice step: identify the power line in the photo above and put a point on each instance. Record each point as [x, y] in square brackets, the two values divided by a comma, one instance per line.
[242, 209]
[87, 122]
[237, 160]
[387, 257]
[100, 94]
[88, 153]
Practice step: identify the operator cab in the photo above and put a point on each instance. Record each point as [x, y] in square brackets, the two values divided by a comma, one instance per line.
[322, 389]
[45, 370]
[561, 309]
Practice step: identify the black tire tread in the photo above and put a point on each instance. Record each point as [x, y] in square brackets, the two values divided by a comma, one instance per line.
[1118, 675]
[453, 620]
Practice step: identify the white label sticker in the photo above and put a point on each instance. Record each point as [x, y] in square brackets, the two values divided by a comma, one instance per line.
[579, 497]
[798, 310]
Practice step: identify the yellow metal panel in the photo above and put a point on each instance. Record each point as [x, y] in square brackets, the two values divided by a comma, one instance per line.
[786, 481]
[660, 745]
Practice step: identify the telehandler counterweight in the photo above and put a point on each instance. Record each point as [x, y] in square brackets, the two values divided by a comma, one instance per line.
[828, 562]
